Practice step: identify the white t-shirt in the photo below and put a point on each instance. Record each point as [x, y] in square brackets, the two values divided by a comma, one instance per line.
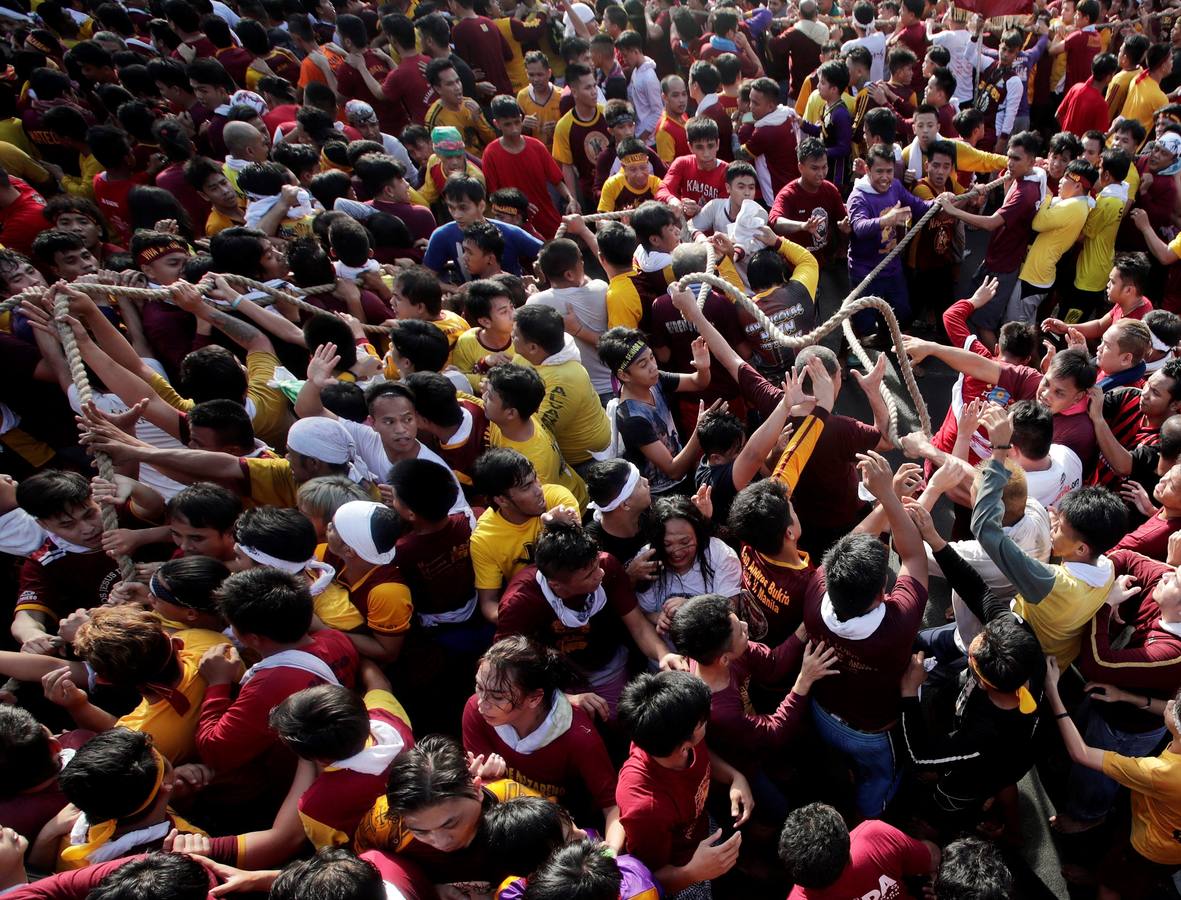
[956, 43]
[373, 454]
[1052, 484]
[876, 45]
[589, 303]
[726, 579]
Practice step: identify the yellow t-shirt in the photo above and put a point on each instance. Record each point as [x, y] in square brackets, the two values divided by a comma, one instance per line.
[477, 133]
[1155, 783]
[500, 549]
[453, 325]
[272, 483]
[571, 411]
[1117, 90]
[618, 194]
[1094, 260]
[624, 306]
[1058, 224]
[19, 163]
[388, 605]
[216, 222]
[467, 353]
[1145, 97]
[174, 734]
[542, 450]
[12, 131]
[1133, 183]
[546, 114]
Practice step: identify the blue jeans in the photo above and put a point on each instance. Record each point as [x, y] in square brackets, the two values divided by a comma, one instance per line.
[939, 643]
[891, 288]
[872, 755]
[1091, 794]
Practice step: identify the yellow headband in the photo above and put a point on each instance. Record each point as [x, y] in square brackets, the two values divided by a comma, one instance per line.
[1025, 701]
[78, 855]
[633, 159]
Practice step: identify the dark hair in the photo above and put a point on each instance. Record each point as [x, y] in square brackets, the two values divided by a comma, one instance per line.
[703, 73]
[972, 869]
[486, 237]
[478, 296]
[422, 343]
[239, 250]
[498, 470]
[518, 387]
[662, 711]
[1098, 516]
[210, 72]
[606, 478]
[435, 27]
[228, 419]
[520, 666]
[64, 204]
[940, 56]
[617, 242]
[719, 432]
[761, 514]
[377, 170]
[665, 510]
[1134, 47]
[190, 581]
[1114, 162]
[649, 219]
[48, 244]
[1166, 327]
[1018, 340]
[809, 148]
[326, 722]
[1103, 65]
[1134, 267]
[346, 400]
[278, 531]
[265, 178]
[541, 325]
[1029, 141]
[26, 757]
[835, 73]
[148, 205]
[65, 122]
[968, 120]
[157, 876]
[766, 268]
[616, 343]
[882, 124]
[564, 549]
[111, 775]
[814, 846]
[1075, 365]
[108, 145]
[582, 870]
[426, 488]
[334, 873]
[899, 58]
[328, 186]
[432, 772]
[701, 128]
[435, 398]
[435, 69]
[945, 79]
[299, 158]
[860, 56]
[701, 628]
[52, 492]
[1008, 655]
[1133, 126]
[421, 287]
[855, 572]
[212, 373]
[267, 602]
[462, 187]
[1033, 428]
[399, 29]
[522, 832]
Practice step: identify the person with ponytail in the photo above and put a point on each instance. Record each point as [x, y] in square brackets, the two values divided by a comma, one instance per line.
[519, 711]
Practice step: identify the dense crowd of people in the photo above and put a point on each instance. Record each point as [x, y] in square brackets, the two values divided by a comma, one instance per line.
[514, 561]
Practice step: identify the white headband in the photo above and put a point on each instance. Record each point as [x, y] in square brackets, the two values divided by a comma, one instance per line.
[353, 522]
[265, 559]
[629, 488]
[1158, 344]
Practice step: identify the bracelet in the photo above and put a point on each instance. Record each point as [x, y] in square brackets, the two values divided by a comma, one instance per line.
[1062, 715]
[1002, 446]
[236, 302]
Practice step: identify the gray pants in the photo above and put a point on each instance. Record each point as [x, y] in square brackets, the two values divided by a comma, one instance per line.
[1024, 301]
[992, 315]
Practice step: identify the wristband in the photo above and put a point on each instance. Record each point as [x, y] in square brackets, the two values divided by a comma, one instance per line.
[1062, 715]
[1002, 446]
[236, 302]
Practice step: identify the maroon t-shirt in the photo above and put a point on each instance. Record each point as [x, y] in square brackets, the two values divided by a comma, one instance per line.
[795, 203]
[777, 145]
[412, 91]
[590, 647]
[826, 495]
[662, 809]
[1081, 48]
[1010, 243]
[350, 83]
[55, 582]
[574, 768]
[26, 813]
[437, 567]
[481, 45]
[668, 329]
[865, 691]
[880, 859]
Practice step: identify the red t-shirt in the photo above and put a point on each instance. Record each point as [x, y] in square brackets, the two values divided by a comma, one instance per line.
[280, 115]
[865, 691]
[231, 733]
[480, 44]
[573, 769]
[1151, 538]
[880, 858]
[795, 203]
[1083, 109]
[685, 180]
[590, 647]
[662, 809]
[111, 196]
[532, 170]
[21, 221]
[412, 91]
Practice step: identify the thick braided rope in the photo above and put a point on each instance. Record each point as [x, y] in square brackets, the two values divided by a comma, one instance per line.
[103, 462]
[596, 217]
[136, 293]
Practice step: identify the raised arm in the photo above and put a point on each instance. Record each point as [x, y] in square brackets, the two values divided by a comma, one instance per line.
[322, 364]
[971, 364]
[719, 347]
[245, 335]
[877, 477]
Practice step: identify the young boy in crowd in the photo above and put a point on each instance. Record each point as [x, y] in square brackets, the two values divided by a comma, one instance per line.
[664, 782]
[490, 342]
[634, 183]
[697, 176]
[811, 204]
[671, 138]
[465, 197]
